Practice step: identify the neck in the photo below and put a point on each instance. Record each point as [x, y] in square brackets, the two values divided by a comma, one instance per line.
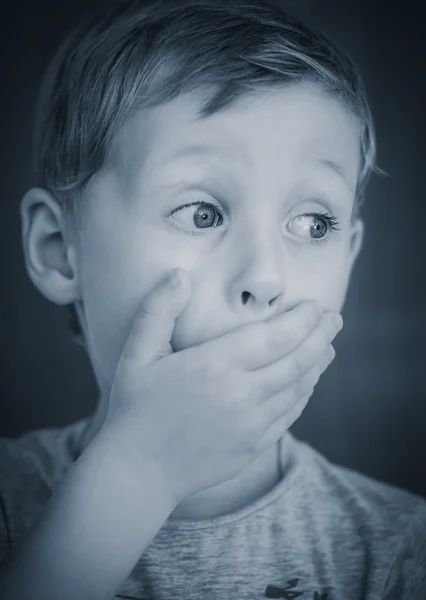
[256, 480]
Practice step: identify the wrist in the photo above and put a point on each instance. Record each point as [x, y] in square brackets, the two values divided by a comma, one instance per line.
[130, 467]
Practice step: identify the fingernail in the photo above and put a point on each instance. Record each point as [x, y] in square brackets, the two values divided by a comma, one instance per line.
[338, 321]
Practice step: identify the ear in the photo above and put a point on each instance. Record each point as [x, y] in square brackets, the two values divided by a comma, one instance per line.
[50, 258]
[356, 240]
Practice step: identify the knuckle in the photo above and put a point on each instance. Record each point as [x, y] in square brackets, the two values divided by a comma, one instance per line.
[282, 401]
[328, 358]
[148, 309]
[297, 364]
[328, 338]
[324, 341]
[301, 406]
[304, 386]
[310, 380]
[333, 327]
[317, 348]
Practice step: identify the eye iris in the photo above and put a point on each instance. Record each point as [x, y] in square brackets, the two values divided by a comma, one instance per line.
[318, 228]
[205, 216]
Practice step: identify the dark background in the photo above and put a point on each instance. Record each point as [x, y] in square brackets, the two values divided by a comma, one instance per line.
[369, 409]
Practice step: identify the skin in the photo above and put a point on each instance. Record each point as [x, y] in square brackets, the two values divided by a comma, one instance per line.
[265, 173]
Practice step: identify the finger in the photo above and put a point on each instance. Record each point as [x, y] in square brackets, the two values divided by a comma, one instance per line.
[307, 383]
[277, 430]
[258, 344]
[279, 375]
[152, 328]
[283, 402]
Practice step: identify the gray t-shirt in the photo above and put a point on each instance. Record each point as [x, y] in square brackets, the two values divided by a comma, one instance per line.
[322, 533]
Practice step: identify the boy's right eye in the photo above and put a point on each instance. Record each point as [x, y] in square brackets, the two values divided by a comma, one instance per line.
[196, 216]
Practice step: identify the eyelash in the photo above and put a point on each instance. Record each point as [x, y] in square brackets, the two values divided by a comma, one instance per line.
[331, 221]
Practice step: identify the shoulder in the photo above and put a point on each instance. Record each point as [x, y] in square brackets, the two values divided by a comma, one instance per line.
[348, 492]
[30, 467]
[367, 521]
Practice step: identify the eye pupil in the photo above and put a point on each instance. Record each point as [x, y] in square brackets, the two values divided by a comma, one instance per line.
[207, 216]
[318, 229]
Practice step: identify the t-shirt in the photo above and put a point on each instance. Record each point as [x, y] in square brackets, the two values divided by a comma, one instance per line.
[324, 532]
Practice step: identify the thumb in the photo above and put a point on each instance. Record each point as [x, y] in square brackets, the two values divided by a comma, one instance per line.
[152, 329]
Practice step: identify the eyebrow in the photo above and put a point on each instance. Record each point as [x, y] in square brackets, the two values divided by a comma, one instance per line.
[334, 167]
[200, 149]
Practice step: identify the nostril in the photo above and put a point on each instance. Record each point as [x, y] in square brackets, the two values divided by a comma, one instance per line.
[245, 296]
[275, 300]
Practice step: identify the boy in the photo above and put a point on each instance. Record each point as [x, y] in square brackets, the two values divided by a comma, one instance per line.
[225, 145]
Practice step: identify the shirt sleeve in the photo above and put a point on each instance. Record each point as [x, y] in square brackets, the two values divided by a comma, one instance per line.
[407, 578]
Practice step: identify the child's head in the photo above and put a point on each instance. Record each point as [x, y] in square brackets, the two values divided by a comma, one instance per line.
[204, 135]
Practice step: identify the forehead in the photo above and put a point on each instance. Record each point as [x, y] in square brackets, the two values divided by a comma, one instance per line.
[279, 132]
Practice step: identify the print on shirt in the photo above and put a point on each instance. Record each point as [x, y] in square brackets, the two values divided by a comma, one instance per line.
[289, 592]
[271, 591]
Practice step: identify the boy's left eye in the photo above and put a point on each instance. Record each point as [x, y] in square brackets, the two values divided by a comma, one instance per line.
[314, 227]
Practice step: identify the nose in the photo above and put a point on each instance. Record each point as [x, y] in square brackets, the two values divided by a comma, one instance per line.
[259, 282]
[262, 296]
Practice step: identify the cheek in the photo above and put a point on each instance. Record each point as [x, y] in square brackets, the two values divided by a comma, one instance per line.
[107, 325]
[323, 278]
[115, 278]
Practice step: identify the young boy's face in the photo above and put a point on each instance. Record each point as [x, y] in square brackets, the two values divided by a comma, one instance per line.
[264, 162]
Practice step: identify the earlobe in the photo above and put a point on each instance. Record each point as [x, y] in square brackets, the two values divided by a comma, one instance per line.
[50, 258]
